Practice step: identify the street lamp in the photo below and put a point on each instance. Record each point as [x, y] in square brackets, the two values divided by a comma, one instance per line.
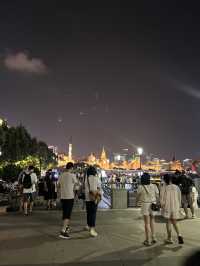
[140, 152]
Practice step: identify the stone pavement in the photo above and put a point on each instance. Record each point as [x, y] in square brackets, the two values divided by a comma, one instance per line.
[28, 241]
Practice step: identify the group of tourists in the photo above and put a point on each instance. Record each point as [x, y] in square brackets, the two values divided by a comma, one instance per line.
[176, 190]
[68, 187]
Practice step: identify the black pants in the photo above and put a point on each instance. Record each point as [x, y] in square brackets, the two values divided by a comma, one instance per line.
[67, 206]
[91, 209]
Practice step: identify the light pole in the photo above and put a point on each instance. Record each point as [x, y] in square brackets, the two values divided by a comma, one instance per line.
[140, 152]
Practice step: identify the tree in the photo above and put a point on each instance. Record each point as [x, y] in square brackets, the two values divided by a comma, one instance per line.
[45, 155]
[3, 132]
[10, 172]
[17, 146]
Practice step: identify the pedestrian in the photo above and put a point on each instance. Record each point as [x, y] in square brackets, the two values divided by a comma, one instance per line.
[186, 184]
[92, 196]
[29, 181]
[148, 194]
[170, 199]
[20, 191]
[50, 189]
[66, 185]
[193, 199]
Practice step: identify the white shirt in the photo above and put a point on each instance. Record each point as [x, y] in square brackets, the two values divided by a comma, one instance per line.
[66, 183]
[33, 181]
[148, 193]
[94, 184]
[170, 197]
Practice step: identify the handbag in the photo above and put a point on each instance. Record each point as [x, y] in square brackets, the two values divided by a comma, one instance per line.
[94, 196]
[155, 207]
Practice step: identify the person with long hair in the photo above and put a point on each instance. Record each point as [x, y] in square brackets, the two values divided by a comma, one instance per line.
[148, 193]
[92, 190]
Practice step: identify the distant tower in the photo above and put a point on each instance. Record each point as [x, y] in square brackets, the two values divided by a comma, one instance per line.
[70, 150]
[103, 155]
[104, 162]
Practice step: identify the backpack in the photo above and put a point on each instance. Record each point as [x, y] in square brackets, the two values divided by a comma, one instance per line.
[27, 182]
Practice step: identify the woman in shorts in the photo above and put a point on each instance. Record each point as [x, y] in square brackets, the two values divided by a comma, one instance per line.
[148, 193]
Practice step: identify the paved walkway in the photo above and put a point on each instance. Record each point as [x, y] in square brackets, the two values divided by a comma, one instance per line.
[29, 241]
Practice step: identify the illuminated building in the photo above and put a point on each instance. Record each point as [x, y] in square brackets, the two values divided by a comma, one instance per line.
[176, 165]
[104, 162]
[70, 152]
[54, 149]
[187, 163]
[1, 122]
[135, 163]
[92, 159]
[155, 164]
[64, 158]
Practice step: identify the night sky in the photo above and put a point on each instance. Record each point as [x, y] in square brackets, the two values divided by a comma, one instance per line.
[103, 73]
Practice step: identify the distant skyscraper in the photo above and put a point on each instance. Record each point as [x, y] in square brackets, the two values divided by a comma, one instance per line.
[70, 149]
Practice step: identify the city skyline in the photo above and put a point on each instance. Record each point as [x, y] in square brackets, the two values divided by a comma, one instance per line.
[113, 75]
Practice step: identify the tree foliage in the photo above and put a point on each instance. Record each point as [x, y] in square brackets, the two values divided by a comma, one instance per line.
[10, 172]
[16, 144]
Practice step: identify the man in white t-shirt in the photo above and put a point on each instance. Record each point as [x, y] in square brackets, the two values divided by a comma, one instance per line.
[66, 185]
[29, 181]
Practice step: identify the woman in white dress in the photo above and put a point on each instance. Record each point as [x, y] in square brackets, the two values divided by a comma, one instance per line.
[170, 199]
[147, 193]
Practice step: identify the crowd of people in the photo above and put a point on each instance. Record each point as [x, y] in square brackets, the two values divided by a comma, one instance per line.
[69, 186]
[122, 180]
[174, 192]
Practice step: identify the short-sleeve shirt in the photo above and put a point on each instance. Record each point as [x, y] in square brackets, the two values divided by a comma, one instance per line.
[33, 181]
[66, 182]
[148, 193]
[93, 183]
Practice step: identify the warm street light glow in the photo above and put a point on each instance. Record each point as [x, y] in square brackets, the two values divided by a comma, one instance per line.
[140, 150]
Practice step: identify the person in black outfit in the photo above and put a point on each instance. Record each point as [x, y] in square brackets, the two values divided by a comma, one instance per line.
[50, 189]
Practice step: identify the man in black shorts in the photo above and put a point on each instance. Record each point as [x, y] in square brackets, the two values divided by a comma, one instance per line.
[66, 185]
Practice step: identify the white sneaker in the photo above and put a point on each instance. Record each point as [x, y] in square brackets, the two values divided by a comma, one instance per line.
[93, 233]
[86, 228]
[194, 217]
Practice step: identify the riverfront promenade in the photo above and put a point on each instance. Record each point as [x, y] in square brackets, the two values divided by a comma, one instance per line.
[34, 241]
